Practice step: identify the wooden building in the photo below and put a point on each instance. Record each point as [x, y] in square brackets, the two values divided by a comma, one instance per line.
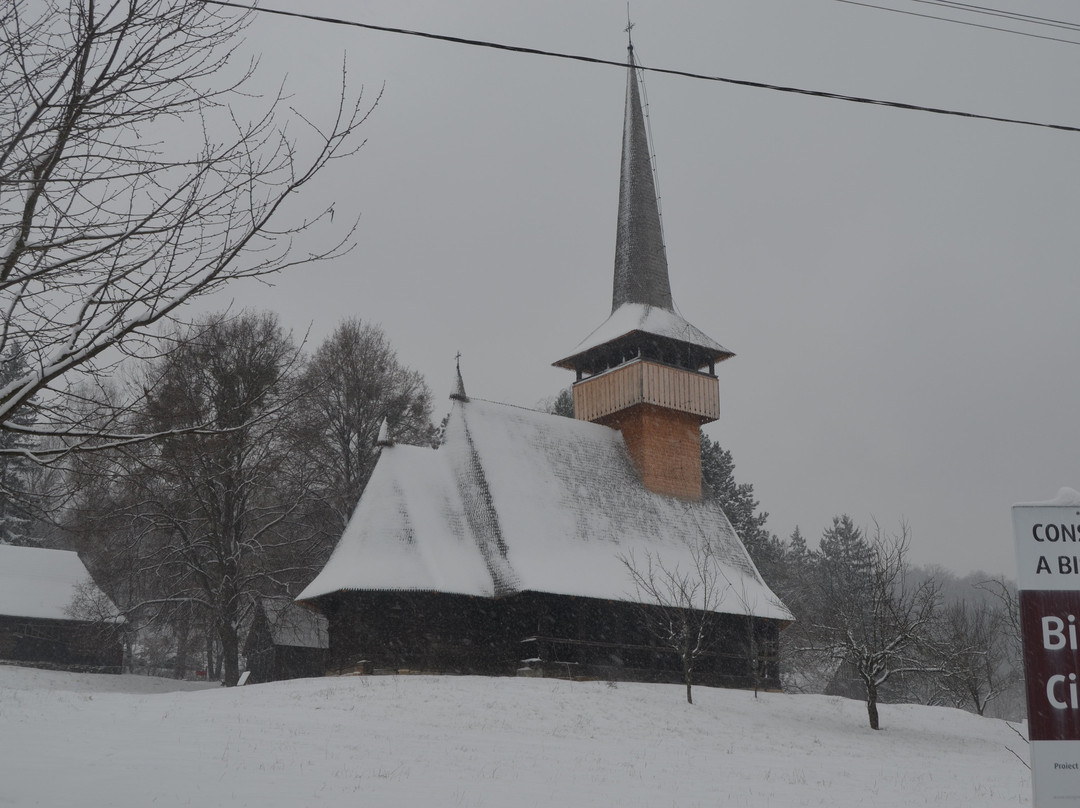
[506, 549]
[41, 621]
[285, 642]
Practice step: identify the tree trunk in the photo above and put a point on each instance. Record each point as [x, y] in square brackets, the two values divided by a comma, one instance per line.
[871, 705]
[230, 647]
[688, 675]
[211, 663]
[752, 654]
[180, 661]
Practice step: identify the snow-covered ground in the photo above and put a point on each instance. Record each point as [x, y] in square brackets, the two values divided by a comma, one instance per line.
[68, 739]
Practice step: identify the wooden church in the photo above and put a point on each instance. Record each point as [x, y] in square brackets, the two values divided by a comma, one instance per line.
[505, 550]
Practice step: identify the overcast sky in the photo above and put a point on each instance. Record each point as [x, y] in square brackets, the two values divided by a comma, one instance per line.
[901, 289]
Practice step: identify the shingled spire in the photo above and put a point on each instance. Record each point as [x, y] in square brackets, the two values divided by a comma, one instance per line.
[641, 270]
[643, 321]
[457, 388]
[646, 371]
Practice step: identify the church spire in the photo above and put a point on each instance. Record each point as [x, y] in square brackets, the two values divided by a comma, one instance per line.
[646, 371]
[641, 271]
[457, 389]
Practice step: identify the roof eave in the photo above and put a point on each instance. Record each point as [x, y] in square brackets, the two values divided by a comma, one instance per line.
[578, 359]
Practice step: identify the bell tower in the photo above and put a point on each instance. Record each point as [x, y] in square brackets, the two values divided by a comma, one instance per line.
[646, 371]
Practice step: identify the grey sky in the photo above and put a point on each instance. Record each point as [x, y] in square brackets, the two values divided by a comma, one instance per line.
[900, 289]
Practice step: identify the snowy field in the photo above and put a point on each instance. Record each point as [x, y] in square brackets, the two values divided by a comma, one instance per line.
[134, 742]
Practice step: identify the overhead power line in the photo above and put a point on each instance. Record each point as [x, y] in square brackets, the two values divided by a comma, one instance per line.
[996, 12]
[760, 85]
[961, 22]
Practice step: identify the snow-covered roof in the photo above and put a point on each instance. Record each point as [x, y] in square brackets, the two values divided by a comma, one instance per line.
[40, 583]
[660, 322]
[295, 626]
[517, 500]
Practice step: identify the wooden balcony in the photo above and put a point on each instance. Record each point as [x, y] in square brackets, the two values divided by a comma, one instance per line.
[642, 381]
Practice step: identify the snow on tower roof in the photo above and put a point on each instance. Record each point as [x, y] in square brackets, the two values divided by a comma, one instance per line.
[40, 583]
[517, 500]
[631, 318]
[641, 304]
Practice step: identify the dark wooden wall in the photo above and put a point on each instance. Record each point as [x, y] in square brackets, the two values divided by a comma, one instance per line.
[268, 662]
[534, 633]
[71, 644]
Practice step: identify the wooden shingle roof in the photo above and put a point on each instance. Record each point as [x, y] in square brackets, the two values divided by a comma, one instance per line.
[517, 500]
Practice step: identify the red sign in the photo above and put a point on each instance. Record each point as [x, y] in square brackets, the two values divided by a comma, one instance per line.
[1049, 620]
[1048, 577]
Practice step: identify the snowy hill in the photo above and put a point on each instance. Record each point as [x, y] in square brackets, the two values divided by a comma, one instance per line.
[132, 742]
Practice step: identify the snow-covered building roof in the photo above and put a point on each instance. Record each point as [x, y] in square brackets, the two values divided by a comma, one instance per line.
[639, 319]
[42, 584]
[516, 500]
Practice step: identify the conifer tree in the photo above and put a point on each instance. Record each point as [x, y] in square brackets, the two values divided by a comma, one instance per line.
[797, 549]
[844, 560]
[562, 404]
[738, 502]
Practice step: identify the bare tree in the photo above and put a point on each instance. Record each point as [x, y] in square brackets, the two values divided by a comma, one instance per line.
[17, 495]
[203, 524]
[679, 603]
[105, 625]
[1008, 601]
[353, 382]
[875, 623]
[131, 181]
[977, 655]
[760, 649]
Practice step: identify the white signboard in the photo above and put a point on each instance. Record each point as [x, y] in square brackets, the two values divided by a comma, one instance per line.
[1048, 577]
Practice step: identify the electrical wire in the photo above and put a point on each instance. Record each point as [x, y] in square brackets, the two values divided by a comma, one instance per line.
[759, 85]
[949, 19]
[996, 12]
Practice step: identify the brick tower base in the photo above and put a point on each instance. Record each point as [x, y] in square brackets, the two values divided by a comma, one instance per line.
[665, 446]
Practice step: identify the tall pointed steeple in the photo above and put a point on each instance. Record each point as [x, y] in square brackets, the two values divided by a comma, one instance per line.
[457, 388]
[643, 321]
[641, 271]
[646, 371]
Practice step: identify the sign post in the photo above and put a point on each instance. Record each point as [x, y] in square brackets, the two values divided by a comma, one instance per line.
[1048, 578]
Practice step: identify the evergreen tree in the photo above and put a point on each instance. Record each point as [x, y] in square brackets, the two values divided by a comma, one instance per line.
[563, 404]
[845, 556]
[797, 549]
[864, 616]
[793, 571]
[738, 502]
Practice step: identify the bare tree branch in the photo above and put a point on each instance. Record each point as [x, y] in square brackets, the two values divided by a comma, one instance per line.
[109, 218]
[864, 615]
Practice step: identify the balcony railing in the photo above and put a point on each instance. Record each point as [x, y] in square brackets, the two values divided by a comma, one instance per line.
[642, 381]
